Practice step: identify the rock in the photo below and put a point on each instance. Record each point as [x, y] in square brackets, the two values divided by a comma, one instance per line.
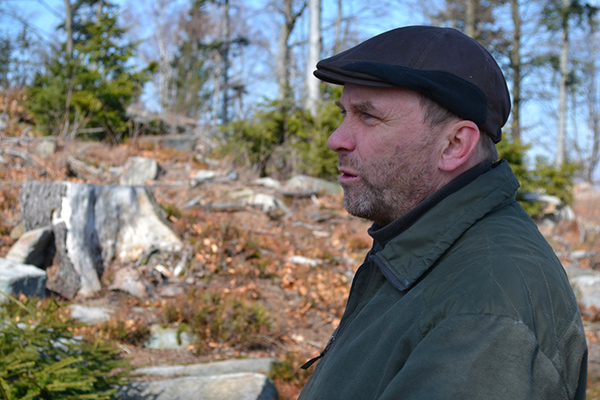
[255, 365]
[38, 202]
[130, 281]
[16, 278]
[586, 285]
[138, 170]
[268, 182]
[16, 232]
[45, 148]
[553, 209]
[63, 279]
[169, 338]
[203, 175]
[94, 225]
[243, 386]
[317, 185]
[304, 261]
[35, 247]
[89, 315]
[265, 202]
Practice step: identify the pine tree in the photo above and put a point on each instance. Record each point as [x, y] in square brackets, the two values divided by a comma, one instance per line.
[88, 92]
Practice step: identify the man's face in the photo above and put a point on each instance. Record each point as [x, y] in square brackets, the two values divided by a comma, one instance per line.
[387, 154]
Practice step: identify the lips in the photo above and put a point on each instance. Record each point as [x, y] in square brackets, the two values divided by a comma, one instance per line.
[348, 175]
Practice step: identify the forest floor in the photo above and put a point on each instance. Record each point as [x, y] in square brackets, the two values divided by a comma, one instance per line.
[246, 254]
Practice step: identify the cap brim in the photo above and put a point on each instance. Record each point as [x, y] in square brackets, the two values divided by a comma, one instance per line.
[342, 76]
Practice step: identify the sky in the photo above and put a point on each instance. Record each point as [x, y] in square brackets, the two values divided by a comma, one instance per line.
[537, 118]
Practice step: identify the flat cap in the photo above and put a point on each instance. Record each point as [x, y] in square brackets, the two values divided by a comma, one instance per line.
[443, 64]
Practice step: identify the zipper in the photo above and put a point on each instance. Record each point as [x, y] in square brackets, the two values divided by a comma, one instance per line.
[400, 285]
[313, 360]
[343, 322]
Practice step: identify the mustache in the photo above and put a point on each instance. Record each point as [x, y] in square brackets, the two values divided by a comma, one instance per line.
[344, 161]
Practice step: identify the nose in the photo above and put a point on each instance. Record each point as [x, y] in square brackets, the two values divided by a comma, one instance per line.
[342, 140]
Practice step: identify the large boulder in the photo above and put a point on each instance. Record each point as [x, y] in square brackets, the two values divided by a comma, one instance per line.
[233, 366]
[35, 247]
[16, 279]
[138, 170]
[240, 386]
[93, 225]
[586, 286]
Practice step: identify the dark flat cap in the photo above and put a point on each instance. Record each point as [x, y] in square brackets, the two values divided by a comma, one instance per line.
[441, 63]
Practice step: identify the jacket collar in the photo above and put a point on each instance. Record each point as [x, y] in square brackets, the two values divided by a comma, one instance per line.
[418, 245]
[383, 234]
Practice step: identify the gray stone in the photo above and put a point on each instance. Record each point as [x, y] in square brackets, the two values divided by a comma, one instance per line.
[255, 365]
[65, 280]
[94, 224]
[244, 386]
[39, 200]
[45, 148]
[89, 315]
[303, 182]
[268, 182]
[169, 338]
[16, 232]
[203, 175]
[266, 202]
[35, 247]
[130, 281]
[586, 285]
[138, 170]
[18, 279]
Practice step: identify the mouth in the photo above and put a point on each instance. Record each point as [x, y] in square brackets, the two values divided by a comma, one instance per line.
[347, 176]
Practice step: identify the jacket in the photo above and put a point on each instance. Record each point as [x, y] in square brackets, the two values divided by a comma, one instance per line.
[468, 302]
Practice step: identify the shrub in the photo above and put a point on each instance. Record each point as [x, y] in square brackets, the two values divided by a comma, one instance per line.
[219, 319]
[282, 138]
[41, 359]
[543, 177]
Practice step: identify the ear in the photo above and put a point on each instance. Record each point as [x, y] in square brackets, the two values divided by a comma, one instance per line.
[462, 137]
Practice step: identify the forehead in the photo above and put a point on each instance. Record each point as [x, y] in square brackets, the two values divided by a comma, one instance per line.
[378, 97]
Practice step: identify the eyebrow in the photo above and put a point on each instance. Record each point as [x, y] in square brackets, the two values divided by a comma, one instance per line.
[363, 106]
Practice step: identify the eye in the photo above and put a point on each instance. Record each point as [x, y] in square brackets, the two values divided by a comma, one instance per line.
[368, 118]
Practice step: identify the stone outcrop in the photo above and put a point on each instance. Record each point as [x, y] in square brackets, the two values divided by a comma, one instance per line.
[35, 247]
[242, 386]
[94, 225]
[138, 170]
[16, 278]
[243, 379]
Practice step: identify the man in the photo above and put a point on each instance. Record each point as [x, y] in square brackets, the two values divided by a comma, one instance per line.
[460, 296]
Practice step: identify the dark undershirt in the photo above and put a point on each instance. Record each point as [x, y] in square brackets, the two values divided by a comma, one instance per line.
[383, 234]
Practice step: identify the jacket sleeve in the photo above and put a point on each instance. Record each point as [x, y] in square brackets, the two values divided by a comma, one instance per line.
[483, 356]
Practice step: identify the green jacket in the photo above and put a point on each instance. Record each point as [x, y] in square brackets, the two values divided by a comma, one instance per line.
[469, 302]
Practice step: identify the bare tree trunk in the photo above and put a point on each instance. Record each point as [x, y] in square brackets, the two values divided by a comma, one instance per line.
[225, 65]
[283, 53]
[313, 95]
[69, 28]
[69, 49]
[515, 66]
[161, 37]
[561, 138]
[337, 45]
[593, 142]
[470, 22]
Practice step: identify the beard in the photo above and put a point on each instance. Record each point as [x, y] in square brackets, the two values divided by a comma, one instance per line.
[389, 189]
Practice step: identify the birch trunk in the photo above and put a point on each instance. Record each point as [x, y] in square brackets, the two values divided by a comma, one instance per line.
[515, 66]
[561, 137]
[314, 54]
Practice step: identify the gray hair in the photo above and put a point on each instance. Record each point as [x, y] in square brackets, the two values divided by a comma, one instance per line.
[436, 115]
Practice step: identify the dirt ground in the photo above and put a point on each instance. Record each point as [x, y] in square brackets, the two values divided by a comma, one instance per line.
[243, 251]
